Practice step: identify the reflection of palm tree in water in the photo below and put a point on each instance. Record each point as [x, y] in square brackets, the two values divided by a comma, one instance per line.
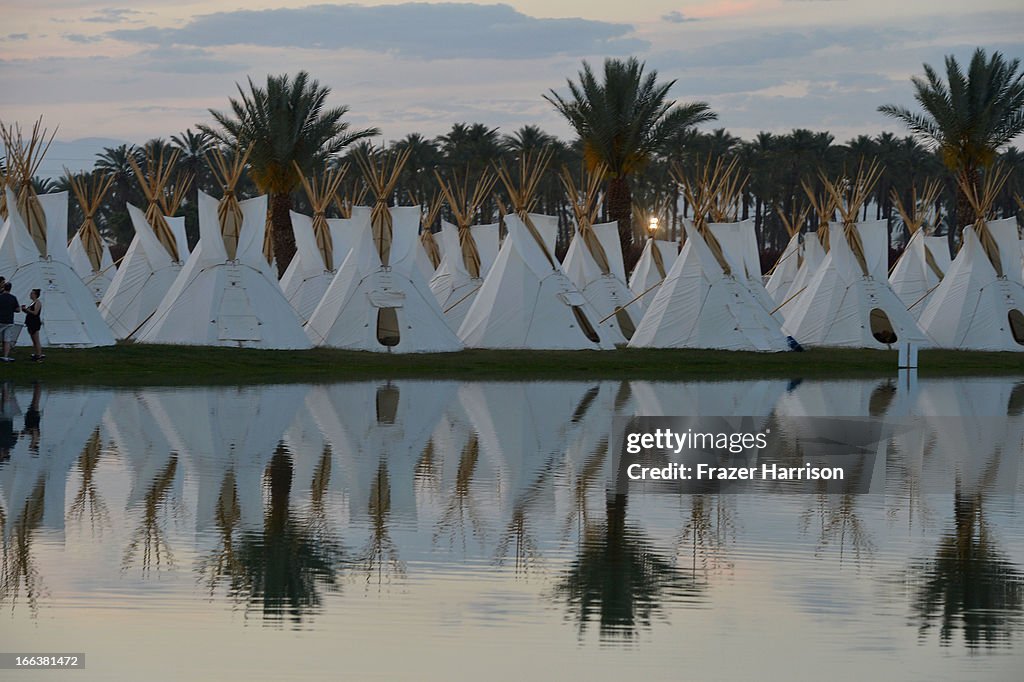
[224, 563]
[969, 583]
[620, 577]
[839, 520]
[88, 498]
[380, 556]
[708, 531]
[518, 527]
[18, 566]
[461, 505]
[150, 535]
[281, 566]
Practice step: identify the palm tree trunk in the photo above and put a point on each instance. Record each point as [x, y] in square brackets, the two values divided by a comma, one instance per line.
[284, 237]
[620, 209]
[964, 211]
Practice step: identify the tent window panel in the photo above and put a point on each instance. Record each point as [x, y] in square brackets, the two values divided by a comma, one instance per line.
[1017, 325]
[584, 323]
[881, 327]
[625, 323]
[388, 332]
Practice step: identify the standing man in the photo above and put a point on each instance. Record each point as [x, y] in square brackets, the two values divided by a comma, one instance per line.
[8, 331]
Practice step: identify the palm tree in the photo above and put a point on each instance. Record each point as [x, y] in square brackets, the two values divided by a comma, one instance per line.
[622, 122]
[284, 124]
[968, 117]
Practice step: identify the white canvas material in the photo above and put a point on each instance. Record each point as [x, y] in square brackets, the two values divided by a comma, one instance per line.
[219, 302]
[835, 308]
[98, 281]
[452, 284]
[604, 292]
[699, 306]
[146, 273]
[971, 307]
[645, 273]
[69, 312]
[348, 314]
[307, 277]
[913, 280]
[814, 254]
[526, 301]
[741, 251]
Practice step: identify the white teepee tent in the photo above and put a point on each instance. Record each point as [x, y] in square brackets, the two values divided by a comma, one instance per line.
[378, 300]
[979, 304]
[34, 255]
[786, 267]
[848, 301]
[594, 260]
[469, 251]
[156, 255]
[925, 259]
[227, 295]
[526, 301]
[655, 261]
[90, 255]
[706, 299]
[321, 244]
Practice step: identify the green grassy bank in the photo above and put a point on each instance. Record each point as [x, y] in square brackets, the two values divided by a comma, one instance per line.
[138, 365]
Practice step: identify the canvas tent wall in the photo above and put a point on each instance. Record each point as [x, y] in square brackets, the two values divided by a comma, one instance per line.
[920, 268]
[974, 307]
[146, 273]
[606, 292]
[97, 280]
[222, 301]
[69, 312]
[842, 305]
[526, 301]
[452, 284]
[308, 276]
[468, 251]
[699, 305]
[377, 307]
[655, 261]
[780, 279]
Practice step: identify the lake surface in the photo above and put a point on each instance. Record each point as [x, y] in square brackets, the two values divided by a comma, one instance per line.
[463, 531]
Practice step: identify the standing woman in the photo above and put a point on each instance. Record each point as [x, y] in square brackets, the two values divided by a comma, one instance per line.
[33, 322]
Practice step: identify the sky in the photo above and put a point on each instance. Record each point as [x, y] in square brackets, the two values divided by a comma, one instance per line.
[114, 71]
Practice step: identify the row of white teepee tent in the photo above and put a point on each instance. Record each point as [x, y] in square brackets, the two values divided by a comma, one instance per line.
[712, 297]
[848, 300]
[379, 300]
[226, 294]
[157, 252]
[34, 250]
[527, 301]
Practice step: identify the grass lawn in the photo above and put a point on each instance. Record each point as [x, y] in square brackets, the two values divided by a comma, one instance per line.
[145, 365]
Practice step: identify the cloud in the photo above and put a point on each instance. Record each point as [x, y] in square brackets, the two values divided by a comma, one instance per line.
[410, 30]
[112, 15]
[172, 59]
[81, 39]
[677, 17]
[15, 36]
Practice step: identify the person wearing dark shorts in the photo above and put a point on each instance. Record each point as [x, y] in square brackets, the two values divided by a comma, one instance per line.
[8, 330]
[34, 322]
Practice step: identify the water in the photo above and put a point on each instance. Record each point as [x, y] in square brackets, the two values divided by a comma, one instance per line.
[446, 530]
